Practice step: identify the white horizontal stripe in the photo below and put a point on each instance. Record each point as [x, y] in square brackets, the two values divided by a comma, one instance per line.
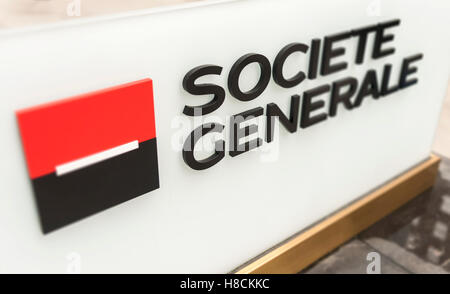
[77, 164]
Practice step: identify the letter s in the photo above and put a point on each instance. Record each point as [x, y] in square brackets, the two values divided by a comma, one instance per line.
[203, 89]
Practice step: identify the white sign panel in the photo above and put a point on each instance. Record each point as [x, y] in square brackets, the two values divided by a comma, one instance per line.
[354, 92]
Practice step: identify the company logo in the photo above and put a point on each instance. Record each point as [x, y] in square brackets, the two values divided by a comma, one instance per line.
[91, 152]
[306, 109]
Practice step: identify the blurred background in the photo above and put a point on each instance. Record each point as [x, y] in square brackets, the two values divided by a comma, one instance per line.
[14, 13]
